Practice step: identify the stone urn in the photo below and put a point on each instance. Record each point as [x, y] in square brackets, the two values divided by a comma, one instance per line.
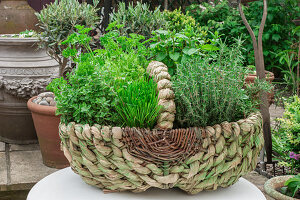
[273, 185]
[16, 16]
[25, 71]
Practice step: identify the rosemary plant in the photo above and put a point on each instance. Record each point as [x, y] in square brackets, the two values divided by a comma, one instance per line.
[210, 89]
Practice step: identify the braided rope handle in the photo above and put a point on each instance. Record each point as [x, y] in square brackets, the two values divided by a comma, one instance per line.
[159, 72]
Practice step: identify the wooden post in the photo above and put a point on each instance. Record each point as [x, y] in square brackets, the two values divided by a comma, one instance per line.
[260, 71]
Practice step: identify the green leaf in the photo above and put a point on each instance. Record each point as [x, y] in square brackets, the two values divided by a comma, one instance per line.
[185, 57]
[160, 56]
[153, 45]
[174, 55]
[293, 185]
[270, 17]
[266, 36]
[276, 37]
[209, 47]
[189, 51]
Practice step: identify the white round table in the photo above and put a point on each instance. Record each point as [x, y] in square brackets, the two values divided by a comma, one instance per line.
[66, 185]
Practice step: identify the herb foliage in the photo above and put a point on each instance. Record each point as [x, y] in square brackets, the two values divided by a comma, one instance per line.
[210, 89]
[102, 87]
[138, 105]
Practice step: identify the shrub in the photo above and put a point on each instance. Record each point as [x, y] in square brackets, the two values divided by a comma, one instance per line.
[209, 90]
[286, 140]
[137, 19]
[138, 104]
[177, 21]
[58, 20]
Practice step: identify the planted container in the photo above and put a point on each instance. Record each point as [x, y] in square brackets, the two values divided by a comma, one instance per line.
[269, 77]
[273, 186]
[25, 71]
[135, 159]
[46, 126]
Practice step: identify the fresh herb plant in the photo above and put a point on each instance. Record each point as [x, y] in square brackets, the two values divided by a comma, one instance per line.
[108, 85]
[124, 57]
[210, 90]
[84, 97]
[138, 104]
[173, 48]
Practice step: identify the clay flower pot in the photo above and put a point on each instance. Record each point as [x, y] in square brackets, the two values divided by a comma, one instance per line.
[46, 125]
[269, 77]
[275, 183]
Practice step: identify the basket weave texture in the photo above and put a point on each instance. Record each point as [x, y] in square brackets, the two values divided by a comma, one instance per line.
[192, 159]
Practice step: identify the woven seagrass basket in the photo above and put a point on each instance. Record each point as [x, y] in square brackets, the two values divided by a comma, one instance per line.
[192, 159]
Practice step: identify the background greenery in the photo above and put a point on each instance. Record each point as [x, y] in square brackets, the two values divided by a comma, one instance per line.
[277, 35]
[286, 137]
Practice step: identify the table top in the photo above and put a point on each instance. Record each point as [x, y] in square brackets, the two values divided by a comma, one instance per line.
[66, 185]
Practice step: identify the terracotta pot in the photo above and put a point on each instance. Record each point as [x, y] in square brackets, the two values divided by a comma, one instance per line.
[16, 16]
[269, 77]
[25, 71]
[46, 125]
[275, 183]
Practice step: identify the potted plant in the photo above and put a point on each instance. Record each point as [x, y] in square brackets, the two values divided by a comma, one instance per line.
[56, 23]
[283, 187]
[126, 126]
[252, 76]
[25, 71]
